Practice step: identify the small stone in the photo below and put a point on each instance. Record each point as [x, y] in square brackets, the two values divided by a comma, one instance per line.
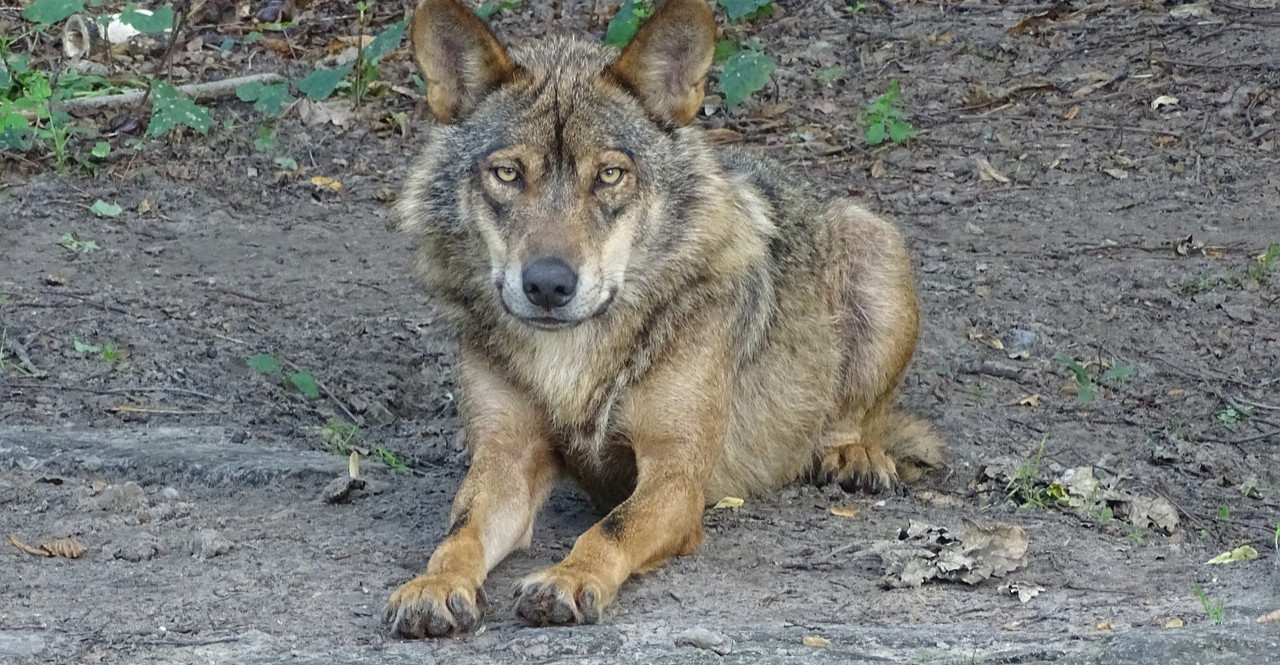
[706, 639]
[141, 548]
[343, 489]
[208, 544]
[170, 493]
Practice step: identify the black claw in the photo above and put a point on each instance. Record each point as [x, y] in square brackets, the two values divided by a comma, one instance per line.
[463, 615]
[587, 606]
[438, 625]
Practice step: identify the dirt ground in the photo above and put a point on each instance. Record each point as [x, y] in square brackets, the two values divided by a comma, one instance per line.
[1053, 205]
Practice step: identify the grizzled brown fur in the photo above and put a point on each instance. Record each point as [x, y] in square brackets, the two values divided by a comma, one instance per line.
[664, 319]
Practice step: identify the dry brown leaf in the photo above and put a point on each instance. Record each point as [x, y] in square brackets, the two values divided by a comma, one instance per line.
[1087, 90]
[931, 552]
[825, 107]
[1164, 140]
[1030, 400]
[337, 112]
[145, 206]
[27, 548]
[841, 511]
[1071, 113]
[323, 182]
[1269, 617]
[878, 169]
[979, 336]
[1103, 625]
[1025, 591]
[353, 464]
[1164, 100]
[1175, 622]
[987, 172]
[729, 502]
[67, 548]
[816, 642]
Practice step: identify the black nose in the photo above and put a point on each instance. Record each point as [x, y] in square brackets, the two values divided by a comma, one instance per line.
[549, 282]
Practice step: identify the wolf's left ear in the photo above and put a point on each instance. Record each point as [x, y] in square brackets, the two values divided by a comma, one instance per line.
[666, 63]
[459, 56]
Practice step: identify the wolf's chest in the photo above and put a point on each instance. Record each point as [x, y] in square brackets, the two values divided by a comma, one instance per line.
[572, 374]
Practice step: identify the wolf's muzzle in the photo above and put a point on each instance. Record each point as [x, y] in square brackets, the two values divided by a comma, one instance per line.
[549, 282]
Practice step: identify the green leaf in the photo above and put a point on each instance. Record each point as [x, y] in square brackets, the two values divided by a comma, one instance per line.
[266, 139]
[51, 11]
[321, 82]
[736, 9]
[305, 383]
[900, 131]
[286, 163]
[265, 363]
[386, 41]
[745, 73]
[154, 23]
[169, 109]
[252, 37]
[624, 24]
[488, 9]
[875, 134]
[84, 347]
[269, 99]
[1117, 373]
[1242, 553]
[103, 209]
[724, 49]
[101, 149]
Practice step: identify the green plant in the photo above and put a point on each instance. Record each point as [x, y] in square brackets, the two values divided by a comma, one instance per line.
[107, 351]
[1213, 609]
[301, 381]
[1224, 512]
[1024, 486]
[392, 460]
[70, 242]
[748, 9]
[1265, 265]
[885, 119]
[855, 8]
[1105, 515]
[488, 9]
[1086, 386]
[103, 209]
[1230, 415]
[340, 435]
[625, 23]
[828, 76]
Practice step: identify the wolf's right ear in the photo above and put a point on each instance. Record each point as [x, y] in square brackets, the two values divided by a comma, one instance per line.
[666, 63]
[459, 56]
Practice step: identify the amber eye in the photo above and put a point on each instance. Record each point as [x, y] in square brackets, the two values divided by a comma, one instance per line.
[609, 176]
[506, 173]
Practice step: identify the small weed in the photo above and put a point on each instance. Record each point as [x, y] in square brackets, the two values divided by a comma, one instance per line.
[1199, 285]
[108, 351]
[392, 460]
[69, 241]
[1086, 385]
[855, 8]
[1023, 486]
[1105, 515]
[1261, 269]
[488, 9]
[748, 9]
[301, 381]
[340, 435]
[924, 656]
[1137, 536]
[1213, 609]
[828, 76]
[885, 119]
[1231, 415]
[1224, 512]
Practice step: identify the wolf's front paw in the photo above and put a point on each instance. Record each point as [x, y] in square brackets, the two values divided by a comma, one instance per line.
[860, 467]
[559, 596]
[434, 606]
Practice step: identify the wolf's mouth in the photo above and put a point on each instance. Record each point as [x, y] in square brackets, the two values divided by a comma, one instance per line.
[552, 323]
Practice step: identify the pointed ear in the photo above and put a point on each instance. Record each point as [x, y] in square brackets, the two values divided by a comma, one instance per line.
[459, 56]
[666, 63]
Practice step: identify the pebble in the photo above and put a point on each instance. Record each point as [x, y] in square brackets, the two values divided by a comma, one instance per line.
[703, 638]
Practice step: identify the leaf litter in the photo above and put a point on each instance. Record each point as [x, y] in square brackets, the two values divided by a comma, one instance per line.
[67, 548]
[929, 552]
[1077, 490]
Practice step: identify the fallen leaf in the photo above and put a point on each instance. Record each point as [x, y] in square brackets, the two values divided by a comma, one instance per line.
[1175, 622]
[353, 464]
[337, 112]
[1093, 87]
[878, 169]
[979, 336]
[1164, 100]
[1025, 591]
[825, 107]
[1187, 244]
[66, 548]
[844, 512]
[1118, 174]
[729, 502]
[322, 182]
[1242, 553]
[1071, 113]
[987, 172]
[816, 642]
[1155, 513]
[931, 552]
[973, 229]
[1269, 617]
[145, 206]
[1192, 10]
[1103, 625]
[1175, 392]
[1164, 140]
[1030, 400]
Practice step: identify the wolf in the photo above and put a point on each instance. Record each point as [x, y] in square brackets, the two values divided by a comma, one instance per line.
[663, 319]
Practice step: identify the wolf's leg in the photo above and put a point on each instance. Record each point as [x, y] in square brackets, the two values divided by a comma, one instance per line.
[512, 472]
[676, 421]
[869, 445]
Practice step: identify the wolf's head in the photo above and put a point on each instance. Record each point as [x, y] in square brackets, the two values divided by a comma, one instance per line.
[560, 156]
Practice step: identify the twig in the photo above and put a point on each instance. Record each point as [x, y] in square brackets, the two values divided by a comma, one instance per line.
[324, 389]
[197, 91]
[114, 391]
[87, 301]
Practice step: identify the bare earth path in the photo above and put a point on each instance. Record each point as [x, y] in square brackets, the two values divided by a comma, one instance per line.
[1045, 201]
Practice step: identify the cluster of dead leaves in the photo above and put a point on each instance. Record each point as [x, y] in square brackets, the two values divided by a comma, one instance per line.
[1079, 491]
[67, 548]
[926, 552]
